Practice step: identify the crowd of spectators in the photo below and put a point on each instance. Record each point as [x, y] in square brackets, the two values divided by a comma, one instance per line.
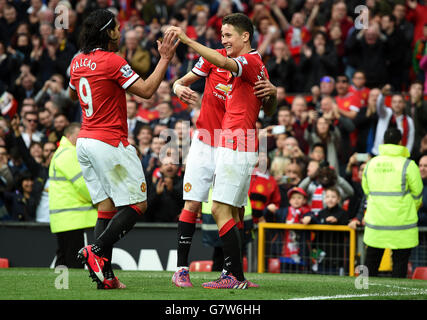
[339, 87]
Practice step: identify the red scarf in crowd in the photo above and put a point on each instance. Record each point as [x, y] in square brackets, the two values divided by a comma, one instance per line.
[404, 125]
[317, 200]
[291, 246]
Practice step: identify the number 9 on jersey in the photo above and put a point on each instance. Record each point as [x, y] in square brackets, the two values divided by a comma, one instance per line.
[86, 96]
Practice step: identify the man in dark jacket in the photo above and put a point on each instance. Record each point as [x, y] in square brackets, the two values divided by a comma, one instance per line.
[416, 108]
[22, 203]
[281, 67]
[366, 123]
[40, 171]
[419, 255]
[422, 212]
[368, 51]
[398, 63]
[165, 193]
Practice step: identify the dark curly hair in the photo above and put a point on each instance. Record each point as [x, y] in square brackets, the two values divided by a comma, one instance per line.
[326, 176]
[94, 32]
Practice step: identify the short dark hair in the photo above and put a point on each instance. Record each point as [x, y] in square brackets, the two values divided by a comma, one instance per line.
[60, 114]
[334, 189]
[342, 75]
[391, 17]
[422, 155]
[34, 113]
[359, 71]
[43, 109]
[145, 126]
[94, 32]
[392, 136]
[421, 83]
[283, 107]
[170, 105]
[241, 23]
[71, 128]
[320, 145]
[21, 176]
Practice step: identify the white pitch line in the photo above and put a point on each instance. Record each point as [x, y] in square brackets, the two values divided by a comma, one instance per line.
[366, 295]
[412, 292]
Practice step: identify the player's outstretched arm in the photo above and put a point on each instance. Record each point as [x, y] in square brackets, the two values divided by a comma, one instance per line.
[181, 88]
[146, 88]
[209, 54]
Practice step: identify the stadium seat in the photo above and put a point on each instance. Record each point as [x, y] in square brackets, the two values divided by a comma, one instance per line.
[274, 265]
[202, 266]
[4, 263]
[420, 273]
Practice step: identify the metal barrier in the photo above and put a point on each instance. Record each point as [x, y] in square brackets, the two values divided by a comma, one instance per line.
[323, 249]
[350, 248]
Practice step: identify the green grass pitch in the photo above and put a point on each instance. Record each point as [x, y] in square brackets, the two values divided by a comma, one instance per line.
[45, 284]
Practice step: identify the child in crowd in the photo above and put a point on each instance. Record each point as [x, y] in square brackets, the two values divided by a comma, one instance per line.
[291, 215]
[318, 152]
[296, 210]
[332, 214]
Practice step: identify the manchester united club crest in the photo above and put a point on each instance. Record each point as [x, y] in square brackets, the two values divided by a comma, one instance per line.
[187, 187]
[143, 187]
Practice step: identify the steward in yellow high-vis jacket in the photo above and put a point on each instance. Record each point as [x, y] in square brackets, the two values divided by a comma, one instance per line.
[70, 205]
[393, 185]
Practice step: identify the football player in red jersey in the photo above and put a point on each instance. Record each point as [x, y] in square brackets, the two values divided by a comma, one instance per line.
[359, 89]
[200, 165]
[238, 141]
[113, 173]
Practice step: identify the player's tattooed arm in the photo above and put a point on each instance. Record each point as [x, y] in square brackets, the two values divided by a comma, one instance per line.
[266, 91]
[73, 94]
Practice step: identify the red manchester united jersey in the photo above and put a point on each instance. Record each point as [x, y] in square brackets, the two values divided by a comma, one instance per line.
[213, 101]
[361, 94]
[242, 106]
[100, 79]
[349, 102]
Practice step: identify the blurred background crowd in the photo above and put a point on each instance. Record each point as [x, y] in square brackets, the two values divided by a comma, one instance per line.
[339, 87]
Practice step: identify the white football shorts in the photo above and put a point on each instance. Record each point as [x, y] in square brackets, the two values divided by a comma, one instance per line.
[199, 170]
[233, 176]
[111, 172]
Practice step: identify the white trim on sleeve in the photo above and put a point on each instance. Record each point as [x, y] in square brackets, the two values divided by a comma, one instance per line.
[130, 81]
[354, 108]
[71, 86]
[239, 72]
[199, 72]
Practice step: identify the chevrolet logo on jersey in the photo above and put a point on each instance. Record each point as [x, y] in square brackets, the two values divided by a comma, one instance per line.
[223, 87]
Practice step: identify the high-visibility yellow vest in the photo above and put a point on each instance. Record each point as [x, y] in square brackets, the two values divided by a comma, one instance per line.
[70, 205]
[393, 186]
